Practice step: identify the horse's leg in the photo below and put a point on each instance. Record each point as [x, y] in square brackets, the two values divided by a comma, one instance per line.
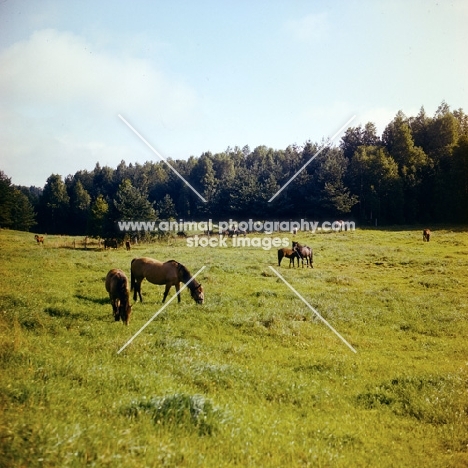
[137, 289]
[166, 292]
[115, 308]
[177, 288]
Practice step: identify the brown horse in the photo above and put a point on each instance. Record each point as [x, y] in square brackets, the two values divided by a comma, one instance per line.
[39, 239]
[289, 253]
[426, 235]
[110, 243]
[170, 273]
[304, 252]
[117, 287]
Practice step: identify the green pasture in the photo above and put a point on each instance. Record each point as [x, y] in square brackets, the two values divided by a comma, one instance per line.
[251, 378]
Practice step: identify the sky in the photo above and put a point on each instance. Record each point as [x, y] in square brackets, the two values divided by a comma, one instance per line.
[205, 75]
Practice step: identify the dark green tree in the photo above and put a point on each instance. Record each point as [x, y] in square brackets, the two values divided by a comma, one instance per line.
[335, 198]
[80, 203]
[166, 208]
[16, 211]
[376, 181]
[54, 206]
[99, 224]
[459, 181]
[354, 137]
[132, 205]
[6, 200]
[23, 216]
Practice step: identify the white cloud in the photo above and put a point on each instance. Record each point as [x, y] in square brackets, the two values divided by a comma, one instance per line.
[60, 69]
[312, 28]
[60, 99]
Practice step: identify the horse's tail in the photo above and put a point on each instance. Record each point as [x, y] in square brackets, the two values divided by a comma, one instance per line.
[132, 276]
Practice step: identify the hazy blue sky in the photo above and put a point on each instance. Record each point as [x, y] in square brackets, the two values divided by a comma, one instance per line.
[195, 76]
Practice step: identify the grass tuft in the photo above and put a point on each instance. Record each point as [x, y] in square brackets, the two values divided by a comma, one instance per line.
[179, 412]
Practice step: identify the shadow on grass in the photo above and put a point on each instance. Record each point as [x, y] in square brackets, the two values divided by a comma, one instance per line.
[94, 300]
[63, 312]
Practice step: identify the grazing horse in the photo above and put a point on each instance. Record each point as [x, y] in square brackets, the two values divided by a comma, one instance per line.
[117, 287]
[111, 243]
[39, 239]
[289, 253]
[304, 251]
[426, 235]
[170, 273]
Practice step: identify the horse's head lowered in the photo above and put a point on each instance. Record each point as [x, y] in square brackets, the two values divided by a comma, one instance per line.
[196, 289]
[197, 293]
[125, 310]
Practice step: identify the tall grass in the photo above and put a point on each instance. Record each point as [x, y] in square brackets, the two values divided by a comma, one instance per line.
[251, 378]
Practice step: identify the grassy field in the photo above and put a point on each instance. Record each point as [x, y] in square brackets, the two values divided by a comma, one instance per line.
[250, 378]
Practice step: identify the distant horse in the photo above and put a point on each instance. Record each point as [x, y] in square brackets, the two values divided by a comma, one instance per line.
[240, 232]
[110, 243]
[117, 287]
[304, 252]
[170, 273]
[127, 245]
[181, 234]
[39, 239]
[289, 253]
[426, 235]
[234, 232]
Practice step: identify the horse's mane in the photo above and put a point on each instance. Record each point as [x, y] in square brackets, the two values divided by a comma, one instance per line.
[186, 276]
[123, 289]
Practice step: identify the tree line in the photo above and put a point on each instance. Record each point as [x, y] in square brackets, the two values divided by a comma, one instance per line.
[415, 172]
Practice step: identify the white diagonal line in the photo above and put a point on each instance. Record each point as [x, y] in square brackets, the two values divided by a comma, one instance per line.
[158, 155]
[311, 159]
[160, 310]
[313, 310]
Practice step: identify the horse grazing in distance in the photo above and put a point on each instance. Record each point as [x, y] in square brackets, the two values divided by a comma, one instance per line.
[304, 251]
[289, 253]
[39, 239]
[110, 243]
[426, 235]
[117, 287]
[170, 273]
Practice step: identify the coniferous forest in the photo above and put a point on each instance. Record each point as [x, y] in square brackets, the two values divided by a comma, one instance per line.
[415, 172]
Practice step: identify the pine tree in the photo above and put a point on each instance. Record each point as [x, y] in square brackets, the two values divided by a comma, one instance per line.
[22, 212]
[54, 206]
[98, 217]
[132, 205]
